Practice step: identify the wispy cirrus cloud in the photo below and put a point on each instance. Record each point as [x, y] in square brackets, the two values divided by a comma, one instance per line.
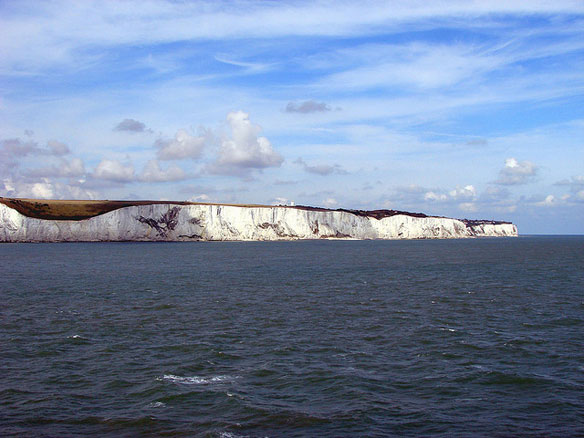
[248, 67]
[57, 24]
[420, 65]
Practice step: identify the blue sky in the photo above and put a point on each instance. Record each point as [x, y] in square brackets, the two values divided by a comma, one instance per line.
[452, 108]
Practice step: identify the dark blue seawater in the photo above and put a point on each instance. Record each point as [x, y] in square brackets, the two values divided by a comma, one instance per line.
[444, 338]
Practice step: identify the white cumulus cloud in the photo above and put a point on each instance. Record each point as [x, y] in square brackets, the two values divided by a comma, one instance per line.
[433, 196]
[516, 173]
[321, 169]
[64, 169]
[14, 147]
[200, 198]
[44, 189]
[549, 201]
[466, 192]
[469, 207]
[309, 106]
[113, 170]
[58, 148]
[576, 183]
[182, 146]
[131, 125]
[153, 173]
[246, 149]
[330, 202]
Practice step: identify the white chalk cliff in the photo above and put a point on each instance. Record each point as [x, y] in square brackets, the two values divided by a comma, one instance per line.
[173, 222]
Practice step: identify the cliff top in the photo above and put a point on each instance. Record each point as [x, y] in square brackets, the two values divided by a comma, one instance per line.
[74, 210]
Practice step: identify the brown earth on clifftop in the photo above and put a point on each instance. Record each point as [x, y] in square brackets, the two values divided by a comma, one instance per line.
[67, 210]
[73, 210]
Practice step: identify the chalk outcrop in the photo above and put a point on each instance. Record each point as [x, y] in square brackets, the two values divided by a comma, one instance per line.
[191, 222]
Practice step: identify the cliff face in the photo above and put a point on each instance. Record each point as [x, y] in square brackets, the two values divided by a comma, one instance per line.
[184, 222]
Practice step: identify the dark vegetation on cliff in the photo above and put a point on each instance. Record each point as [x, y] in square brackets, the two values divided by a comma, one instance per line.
[380, 214]
[73, 210]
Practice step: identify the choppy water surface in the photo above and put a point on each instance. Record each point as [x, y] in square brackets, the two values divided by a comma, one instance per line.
[324, 338]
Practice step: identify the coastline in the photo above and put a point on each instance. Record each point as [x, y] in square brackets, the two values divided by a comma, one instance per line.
[87, 221]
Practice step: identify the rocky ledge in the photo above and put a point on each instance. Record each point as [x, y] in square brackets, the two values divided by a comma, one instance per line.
[33, 220]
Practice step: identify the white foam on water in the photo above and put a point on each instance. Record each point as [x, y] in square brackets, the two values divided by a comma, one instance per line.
[447, 329]
[234, 435]
[480, 367]
[197, 380]
[157, 405]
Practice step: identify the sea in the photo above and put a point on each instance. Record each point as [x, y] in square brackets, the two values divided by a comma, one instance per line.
[421, 338]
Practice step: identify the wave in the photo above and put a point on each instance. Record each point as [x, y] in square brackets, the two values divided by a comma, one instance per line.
[197, 380]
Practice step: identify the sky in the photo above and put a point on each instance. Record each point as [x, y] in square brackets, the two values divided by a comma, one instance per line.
[467, 109]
